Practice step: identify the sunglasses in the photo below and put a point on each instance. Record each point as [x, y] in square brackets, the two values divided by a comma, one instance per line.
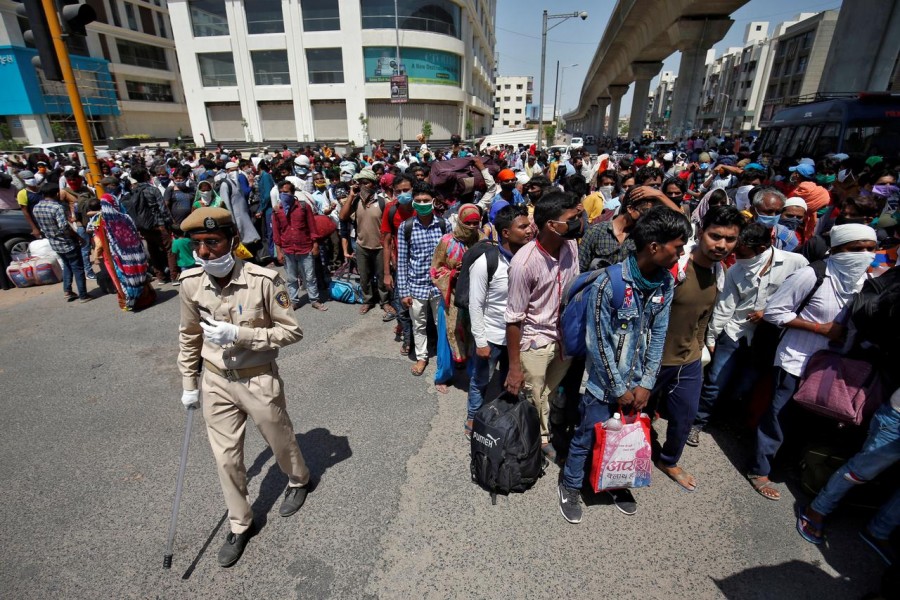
[210, 244]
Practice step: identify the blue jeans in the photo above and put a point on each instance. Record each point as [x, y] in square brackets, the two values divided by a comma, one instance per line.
[592, 411]
[485, 369]
[880, 450]
[729, 355]
[681, 385]
[297, 266]
[769, 435]
[85, 250]
[73, 266]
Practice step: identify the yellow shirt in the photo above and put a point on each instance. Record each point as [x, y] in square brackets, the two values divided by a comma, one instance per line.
[22, 197]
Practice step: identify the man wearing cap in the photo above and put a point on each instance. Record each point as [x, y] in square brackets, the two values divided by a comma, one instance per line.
[500, 193]
[234, 318]
[27, 198]
[813, 314]
[803, 177]
[365, 206]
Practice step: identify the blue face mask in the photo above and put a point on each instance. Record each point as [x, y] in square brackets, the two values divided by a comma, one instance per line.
[287, 200]
[768, 220]
[405, 198]
[791, 223]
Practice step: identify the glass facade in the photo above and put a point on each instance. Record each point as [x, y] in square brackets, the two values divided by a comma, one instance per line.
[326, 65]
[264, 16]
[149, 92]
[217, 69]
[270, 67]
[433, 16]
[320, 15]
[208, 17]
[142, 55]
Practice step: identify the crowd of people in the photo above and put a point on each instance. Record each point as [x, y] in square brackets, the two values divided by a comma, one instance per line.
[733, 268]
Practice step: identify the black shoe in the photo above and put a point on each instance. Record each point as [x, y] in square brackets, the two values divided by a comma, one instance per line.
[294, 497]
[624, 501]
[693, 438]
[570, 504]
[233, 547]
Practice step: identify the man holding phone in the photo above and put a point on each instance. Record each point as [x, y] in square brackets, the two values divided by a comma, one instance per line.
[234, 318]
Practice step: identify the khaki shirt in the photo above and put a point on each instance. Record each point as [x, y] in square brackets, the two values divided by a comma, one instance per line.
[255, 300]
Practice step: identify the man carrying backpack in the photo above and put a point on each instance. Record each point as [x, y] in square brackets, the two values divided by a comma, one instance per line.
[417, 239]
[153, 223]
[629, 304]
[487, 295]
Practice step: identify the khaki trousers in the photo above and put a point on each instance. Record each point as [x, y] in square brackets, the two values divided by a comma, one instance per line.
[544, 369]
[226, 406]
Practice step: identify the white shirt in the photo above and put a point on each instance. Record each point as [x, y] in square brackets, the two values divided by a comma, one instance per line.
[825, 306]
[487, 301]
[746, 292]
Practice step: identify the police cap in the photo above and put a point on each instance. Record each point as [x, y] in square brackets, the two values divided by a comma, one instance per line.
[207, 219]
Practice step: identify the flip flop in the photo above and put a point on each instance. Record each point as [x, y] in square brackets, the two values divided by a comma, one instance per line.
[679, 478]
[418, 368]
[468, 429]
[365, 308]
[809, 530]
[759, 486]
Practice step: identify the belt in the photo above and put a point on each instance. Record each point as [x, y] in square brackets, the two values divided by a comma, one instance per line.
[237, 374]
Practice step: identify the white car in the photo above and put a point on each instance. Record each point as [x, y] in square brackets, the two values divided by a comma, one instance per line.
[52, 150]
[563, 149]
[577, 143]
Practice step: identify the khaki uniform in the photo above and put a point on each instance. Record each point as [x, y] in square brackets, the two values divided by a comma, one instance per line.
[242, 379]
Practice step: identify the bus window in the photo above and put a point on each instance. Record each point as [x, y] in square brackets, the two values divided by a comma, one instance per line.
[827, 141]
[797, 140]
[767, 140]
[784, 136]
[868, 139]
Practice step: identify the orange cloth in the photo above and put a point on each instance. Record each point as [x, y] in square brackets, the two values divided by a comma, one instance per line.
[816, 197]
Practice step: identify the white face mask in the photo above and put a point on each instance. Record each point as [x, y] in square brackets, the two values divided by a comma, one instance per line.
[606, 191]
[217, 267]
[755, 264]
[847, 269]
[842, 175]
[206, 196]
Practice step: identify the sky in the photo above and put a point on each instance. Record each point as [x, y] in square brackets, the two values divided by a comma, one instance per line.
[573, 42]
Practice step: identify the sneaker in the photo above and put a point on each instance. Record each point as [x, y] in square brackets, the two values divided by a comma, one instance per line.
[624, 501]
[71, 296]
[881, 547]
[570, 504]
[693, 439]
[294, 497]
[233, 547]
[90, 275]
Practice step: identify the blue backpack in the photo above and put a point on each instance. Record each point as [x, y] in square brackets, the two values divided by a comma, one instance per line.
[574, 309]
[344, 290]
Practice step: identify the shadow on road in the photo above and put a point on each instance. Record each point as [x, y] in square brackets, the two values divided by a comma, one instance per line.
[321, 451]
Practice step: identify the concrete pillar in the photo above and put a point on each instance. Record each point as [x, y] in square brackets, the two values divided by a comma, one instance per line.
[694, 36]
[602, 105]
[615, 93]
[643, 72]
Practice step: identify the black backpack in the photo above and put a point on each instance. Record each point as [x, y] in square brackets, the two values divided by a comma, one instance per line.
[506, 446]
[492, 255]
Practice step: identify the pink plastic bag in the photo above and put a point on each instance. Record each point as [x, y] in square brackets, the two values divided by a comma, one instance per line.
[622, 459]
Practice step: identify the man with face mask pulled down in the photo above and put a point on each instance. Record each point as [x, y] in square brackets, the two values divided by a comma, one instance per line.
[234, 318]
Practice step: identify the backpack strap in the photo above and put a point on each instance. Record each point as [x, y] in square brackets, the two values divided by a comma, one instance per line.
[407, 229]
[392, 213]
[614, 272]
[492, 256]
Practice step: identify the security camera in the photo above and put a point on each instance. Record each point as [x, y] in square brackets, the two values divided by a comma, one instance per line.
[583, 15]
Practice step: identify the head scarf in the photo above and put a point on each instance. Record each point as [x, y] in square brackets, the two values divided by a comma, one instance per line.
[468, 214]
[851, 232]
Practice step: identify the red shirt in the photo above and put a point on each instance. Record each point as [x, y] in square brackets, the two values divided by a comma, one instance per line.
[294, 232]
[401, 214]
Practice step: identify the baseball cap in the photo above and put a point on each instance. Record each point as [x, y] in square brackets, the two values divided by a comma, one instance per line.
[804, 169]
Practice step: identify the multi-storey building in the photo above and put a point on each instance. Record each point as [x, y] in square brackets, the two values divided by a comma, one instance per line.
[512, 96]
[320, 70]
[661, 106]
[125, 67]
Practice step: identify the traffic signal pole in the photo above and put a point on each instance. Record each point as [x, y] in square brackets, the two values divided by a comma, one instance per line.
[84, 131]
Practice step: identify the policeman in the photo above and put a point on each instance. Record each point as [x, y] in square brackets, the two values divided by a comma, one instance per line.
[234, 318]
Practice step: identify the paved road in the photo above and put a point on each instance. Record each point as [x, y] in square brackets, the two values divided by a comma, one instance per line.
[92, 427]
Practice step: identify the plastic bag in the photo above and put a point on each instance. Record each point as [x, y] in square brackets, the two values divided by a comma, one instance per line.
[622, 459]
[444, 372]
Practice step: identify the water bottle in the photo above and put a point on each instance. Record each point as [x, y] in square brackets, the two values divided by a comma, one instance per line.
[614, 423]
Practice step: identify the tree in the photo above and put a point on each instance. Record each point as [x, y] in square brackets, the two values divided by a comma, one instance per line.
[470, 126]
[59, 131]
[426, 130]
[550, 133]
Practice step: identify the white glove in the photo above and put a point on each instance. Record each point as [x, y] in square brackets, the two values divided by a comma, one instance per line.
[219, 332]
[190, 398]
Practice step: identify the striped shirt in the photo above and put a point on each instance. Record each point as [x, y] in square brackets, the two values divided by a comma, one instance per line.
[536, 283]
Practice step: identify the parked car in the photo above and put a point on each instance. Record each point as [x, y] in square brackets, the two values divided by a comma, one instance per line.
[52, 150]
[577, 143]
[15, 232]
[563, 148]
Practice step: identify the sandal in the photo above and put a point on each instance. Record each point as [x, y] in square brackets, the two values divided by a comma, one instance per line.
[468, 429]
[419, 368]
[761, 486]
[365, 308]
[404, 349]
[442, 388]
[680, 477]
[319, 306]
[808, 529]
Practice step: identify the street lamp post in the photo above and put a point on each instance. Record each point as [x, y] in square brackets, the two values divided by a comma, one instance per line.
[724, 108]
[544, 29]
[557, 96]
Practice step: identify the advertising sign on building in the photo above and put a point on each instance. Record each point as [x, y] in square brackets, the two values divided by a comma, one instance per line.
[422, 65]
[399, 89]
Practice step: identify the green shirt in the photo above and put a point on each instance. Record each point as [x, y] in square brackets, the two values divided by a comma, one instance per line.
[181, 248]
